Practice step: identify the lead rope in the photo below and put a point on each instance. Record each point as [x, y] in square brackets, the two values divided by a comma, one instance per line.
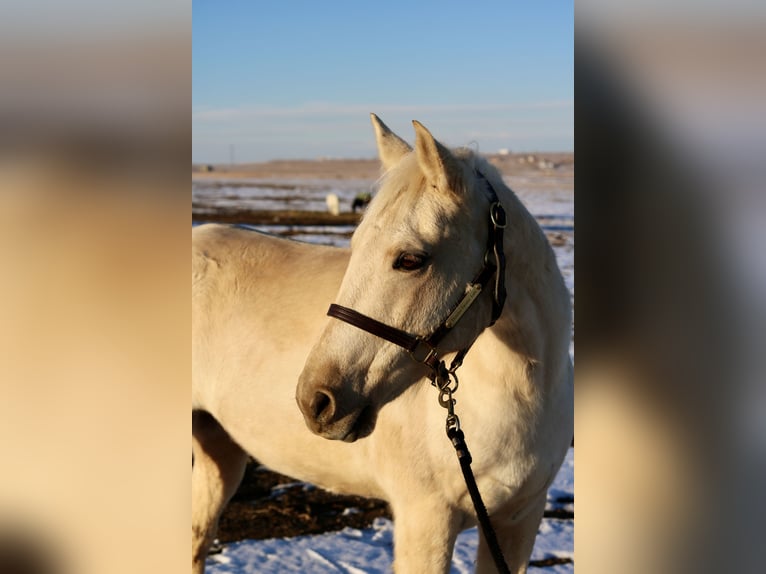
[447, 382]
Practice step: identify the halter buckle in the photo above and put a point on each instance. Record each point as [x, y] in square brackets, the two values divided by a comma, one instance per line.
[421, 347]
[497, 215]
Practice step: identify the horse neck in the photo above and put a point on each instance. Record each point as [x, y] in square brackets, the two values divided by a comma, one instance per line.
[536, 320]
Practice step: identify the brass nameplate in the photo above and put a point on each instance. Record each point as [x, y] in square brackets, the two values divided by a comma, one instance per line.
[472, 292]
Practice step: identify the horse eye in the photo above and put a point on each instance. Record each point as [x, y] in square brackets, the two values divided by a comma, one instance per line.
[409, 261]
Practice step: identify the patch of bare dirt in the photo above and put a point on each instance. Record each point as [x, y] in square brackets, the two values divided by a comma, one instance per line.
[271, 505]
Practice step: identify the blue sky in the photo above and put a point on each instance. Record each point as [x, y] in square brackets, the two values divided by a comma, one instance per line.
[298, 79]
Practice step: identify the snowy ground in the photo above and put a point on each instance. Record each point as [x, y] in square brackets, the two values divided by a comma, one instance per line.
[370, 551]
[298, 194]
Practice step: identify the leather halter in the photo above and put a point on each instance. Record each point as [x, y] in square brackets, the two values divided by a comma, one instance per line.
[424, 349]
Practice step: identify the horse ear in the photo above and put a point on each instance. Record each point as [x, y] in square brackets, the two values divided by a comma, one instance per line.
[391, 148]
[436, 161]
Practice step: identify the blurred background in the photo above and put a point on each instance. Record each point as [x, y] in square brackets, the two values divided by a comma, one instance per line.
[670, 404]
[94, 305]
[95, 148]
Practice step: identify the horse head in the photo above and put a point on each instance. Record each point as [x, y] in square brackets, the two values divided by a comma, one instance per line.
[420, 243]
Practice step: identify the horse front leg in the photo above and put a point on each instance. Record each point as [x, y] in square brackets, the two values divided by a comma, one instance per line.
[516, 536]
[218, 467]
[424, 537]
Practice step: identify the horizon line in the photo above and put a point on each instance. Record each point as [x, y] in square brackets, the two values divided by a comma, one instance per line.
[368, 158]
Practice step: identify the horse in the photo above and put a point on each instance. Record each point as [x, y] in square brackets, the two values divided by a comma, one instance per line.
[368, 421]
[361, 200]
[333, 203]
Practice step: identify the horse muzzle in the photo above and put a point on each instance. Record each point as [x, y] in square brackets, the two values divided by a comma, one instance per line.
[334, 411]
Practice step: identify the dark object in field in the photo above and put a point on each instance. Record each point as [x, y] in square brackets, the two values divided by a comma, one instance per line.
[360, 201]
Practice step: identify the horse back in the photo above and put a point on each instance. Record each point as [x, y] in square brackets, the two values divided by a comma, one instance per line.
[239, 265]
[256, 295]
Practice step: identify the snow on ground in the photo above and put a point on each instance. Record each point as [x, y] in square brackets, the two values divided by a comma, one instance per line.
[299, 194]
[370, 551]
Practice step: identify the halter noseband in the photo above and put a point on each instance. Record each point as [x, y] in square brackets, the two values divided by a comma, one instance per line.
[424, 349]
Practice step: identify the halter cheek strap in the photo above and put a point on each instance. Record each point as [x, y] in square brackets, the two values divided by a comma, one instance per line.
[424, 349]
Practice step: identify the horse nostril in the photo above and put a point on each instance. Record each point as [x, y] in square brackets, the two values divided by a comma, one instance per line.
[323, 406]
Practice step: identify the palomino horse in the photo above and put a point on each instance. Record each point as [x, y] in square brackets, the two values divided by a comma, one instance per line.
[259, 326]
